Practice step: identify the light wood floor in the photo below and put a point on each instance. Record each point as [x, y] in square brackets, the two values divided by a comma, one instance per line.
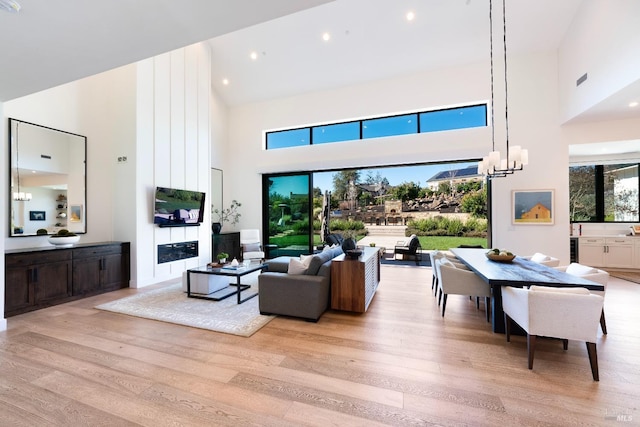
[399, 364]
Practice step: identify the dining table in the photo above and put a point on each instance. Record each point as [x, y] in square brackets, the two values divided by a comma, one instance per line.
[519, 273]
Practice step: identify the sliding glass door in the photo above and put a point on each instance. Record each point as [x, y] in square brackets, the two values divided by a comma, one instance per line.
[286, 214]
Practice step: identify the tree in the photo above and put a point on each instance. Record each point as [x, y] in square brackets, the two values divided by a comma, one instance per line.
[341, 181]
[475, 203]
[582, 199]
[406, 191]
[375, 179]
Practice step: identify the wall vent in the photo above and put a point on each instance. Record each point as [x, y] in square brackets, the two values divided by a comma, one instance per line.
[581, 80]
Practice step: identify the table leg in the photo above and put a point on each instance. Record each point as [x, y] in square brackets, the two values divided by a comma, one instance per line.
[497, 313]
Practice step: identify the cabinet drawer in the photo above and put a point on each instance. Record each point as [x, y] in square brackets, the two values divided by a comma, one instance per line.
[96, 251]
[40, 257]
[619, 241]
[591, 240]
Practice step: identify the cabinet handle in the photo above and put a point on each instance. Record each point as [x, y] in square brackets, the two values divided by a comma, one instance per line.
[33, 275]
[101, 263]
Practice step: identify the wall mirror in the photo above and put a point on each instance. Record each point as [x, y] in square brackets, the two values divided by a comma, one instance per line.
[216, 189]
[47, 187]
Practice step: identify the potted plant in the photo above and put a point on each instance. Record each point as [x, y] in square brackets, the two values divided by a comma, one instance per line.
[229, 214]
[222, 257]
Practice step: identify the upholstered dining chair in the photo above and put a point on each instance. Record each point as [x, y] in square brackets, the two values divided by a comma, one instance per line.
[565, 313]
[593, 274]
[251, 245]
[543, 259]
[460, 281]
[433, 256]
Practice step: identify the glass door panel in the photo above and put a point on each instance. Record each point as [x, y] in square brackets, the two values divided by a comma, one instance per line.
[286, 214]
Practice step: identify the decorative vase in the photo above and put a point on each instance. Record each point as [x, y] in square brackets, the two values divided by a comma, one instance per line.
[222, 260]
[216, 227]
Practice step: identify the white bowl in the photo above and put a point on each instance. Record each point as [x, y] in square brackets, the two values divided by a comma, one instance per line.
[64, 241]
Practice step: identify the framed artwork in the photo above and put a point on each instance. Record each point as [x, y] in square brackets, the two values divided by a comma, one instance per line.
[534, 207]
[75, 213]
[37, 215]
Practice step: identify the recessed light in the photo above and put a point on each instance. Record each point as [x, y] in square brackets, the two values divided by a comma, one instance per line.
[633, 104]
[326, 37]
[410, 16]
[253, 55]
[225, 82]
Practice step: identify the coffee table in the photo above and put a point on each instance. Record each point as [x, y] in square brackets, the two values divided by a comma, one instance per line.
[232, 288]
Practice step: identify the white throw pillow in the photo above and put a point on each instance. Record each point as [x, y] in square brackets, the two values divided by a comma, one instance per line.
[579, 269]
[306, 259]
[538, 257]
[296, 267]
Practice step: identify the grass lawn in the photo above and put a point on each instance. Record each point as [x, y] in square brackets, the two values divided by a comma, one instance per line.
[445, 242]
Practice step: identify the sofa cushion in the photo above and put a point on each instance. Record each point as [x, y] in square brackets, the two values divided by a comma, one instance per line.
[317, 260]
[251, 247]
[296, 267]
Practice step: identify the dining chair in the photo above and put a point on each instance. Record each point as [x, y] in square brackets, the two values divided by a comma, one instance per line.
[460, 281]
[593, 274]
[434, 255]
[564, 313]
[543, 259]
[251, 245]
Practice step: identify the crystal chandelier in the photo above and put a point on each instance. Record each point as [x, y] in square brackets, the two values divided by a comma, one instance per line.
[493, 166]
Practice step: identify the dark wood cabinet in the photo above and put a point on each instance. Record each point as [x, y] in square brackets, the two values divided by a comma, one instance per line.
[34, 281]
[37, 278]
[354, 281]
[226, 242]
[100, 269]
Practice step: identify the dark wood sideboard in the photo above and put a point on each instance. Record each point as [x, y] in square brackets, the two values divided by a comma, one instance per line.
[36, 278]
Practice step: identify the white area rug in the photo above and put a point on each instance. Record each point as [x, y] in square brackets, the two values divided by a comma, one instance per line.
[170, 304]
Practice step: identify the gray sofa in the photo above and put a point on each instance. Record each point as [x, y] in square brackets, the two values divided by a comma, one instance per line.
[305, 295]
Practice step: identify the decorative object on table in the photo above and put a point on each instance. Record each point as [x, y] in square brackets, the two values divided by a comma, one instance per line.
[372, 244]
[354, 253]
[223, 215]
[234, 262]
[222, 257]
[42, 232]
[532, 207]
[500, 255]
[64, 238]
[348, 244]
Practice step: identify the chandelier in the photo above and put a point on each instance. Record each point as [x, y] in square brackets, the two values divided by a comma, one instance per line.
[493, 166]
[19, 196]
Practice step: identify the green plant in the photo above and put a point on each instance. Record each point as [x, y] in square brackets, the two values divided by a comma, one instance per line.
[229, 214]
[42, 231]
[222, 255]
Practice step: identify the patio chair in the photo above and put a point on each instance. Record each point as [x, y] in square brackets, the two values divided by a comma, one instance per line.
[410, 249]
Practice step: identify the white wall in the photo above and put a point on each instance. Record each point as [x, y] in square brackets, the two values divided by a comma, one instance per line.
[602, 41]
[98, 107]
[156, 113]
[533, 123]
[173, 150]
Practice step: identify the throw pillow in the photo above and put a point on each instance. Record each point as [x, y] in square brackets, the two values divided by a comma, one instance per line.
[579, 269]
[306, 259]
[538, 257]
[251, 247]
[296, 267]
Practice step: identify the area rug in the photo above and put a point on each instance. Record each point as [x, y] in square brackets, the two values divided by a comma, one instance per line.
[626, 275]
[170, 304]
[388, 260]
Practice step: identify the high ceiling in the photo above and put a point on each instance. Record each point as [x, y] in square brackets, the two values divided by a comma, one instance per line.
[50, 43]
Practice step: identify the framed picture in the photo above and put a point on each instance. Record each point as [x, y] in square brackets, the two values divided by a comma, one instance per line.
[75, 213]
[37, 215]
[533, 207]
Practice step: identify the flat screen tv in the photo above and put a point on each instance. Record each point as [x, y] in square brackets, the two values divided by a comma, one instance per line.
[178, 208]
